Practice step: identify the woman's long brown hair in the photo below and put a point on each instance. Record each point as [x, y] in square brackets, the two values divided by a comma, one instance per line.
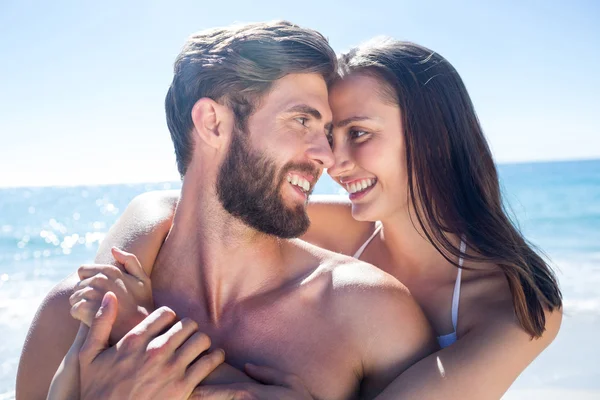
[451, 173]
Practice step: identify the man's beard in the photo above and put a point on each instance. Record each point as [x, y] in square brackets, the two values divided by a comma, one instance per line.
[249, 188]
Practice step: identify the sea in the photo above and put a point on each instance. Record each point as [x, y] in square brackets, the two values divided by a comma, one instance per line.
[47, 232]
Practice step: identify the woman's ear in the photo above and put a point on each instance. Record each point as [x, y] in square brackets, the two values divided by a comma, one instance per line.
[212, 122]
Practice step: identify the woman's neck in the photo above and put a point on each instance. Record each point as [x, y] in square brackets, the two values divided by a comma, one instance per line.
[412, 255]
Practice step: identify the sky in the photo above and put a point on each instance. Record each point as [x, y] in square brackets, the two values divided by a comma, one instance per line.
[82, 83]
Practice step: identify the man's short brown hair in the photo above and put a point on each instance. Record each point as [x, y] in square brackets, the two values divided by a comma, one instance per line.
[236, 66]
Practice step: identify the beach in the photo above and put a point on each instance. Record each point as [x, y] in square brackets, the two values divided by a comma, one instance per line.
[47, 232]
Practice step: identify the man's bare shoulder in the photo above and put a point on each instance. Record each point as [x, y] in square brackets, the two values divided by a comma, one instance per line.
[49, 338]
[352, 280]
[142, 228]
[166, 197]
[363, 285]
[154, 207]
[388, 330]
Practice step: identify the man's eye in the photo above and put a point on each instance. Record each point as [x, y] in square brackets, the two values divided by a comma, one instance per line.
[302, 120]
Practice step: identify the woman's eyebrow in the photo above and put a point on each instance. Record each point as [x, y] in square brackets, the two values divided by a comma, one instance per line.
[350, 120]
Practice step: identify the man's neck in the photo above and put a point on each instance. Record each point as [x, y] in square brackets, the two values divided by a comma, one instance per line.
[213, 257]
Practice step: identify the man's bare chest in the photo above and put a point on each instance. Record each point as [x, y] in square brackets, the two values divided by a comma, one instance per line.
[290, 335]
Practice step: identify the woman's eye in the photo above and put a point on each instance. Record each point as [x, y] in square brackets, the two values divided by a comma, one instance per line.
[357, 134]
[302, 120]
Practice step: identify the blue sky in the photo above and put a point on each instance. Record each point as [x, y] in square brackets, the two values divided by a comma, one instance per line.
[82, 83]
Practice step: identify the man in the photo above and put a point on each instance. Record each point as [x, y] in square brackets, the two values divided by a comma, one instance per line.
[248, 114]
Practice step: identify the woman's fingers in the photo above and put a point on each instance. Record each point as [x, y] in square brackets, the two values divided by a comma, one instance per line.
[130, 262]
[80, 338]
[190, 350]
[202, 367]
[88, 270]
[98, 281]
[151, 327]
[85, 310]
[86, 293]
[217, 392]
[176, 336]
[272, 376]
[97, 336]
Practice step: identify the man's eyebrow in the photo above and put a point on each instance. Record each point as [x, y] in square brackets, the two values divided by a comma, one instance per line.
[350, 120]
[303, 108]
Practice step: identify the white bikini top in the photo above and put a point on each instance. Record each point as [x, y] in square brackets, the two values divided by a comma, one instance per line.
[450, 338]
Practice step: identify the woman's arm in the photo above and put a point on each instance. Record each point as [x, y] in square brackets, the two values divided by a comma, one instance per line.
[65, 384]
[332, 226]
[483, 364]
[141, 230]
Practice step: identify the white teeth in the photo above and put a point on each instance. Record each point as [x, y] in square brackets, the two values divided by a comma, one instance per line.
[360, 185]
[299, 181]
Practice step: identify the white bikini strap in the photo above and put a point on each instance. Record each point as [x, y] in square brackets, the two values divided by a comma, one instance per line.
[456, 295]
[365, 244]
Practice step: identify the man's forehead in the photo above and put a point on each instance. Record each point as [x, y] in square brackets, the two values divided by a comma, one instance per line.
[295, 90]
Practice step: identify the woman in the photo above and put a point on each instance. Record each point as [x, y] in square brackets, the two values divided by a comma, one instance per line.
[410, 151]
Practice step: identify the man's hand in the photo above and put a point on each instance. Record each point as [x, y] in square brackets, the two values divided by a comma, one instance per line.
[145, 364]
[130, 284]
[274, 385]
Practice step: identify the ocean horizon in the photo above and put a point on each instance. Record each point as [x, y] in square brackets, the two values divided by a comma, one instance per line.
[46, 232]
[135, 181]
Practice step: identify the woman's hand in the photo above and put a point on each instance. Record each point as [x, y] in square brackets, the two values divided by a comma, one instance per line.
[133, 289]
[274, 385]
[130, 284]
[158, 359]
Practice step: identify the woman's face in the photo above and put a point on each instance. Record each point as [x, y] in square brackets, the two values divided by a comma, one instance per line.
[368, 146]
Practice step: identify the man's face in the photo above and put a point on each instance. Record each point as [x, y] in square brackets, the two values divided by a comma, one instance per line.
[271, 169]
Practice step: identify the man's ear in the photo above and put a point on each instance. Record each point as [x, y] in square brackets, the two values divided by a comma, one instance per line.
[212, 122]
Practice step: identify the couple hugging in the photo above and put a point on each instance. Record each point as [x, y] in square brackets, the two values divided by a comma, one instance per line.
[417, 286]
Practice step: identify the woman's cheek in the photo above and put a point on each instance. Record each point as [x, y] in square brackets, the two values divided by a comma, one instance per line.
[367, 155]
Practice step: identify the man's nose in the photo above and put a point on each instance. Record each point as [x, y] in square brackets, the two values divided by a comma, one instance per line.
[342, 161]
[319, 151]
